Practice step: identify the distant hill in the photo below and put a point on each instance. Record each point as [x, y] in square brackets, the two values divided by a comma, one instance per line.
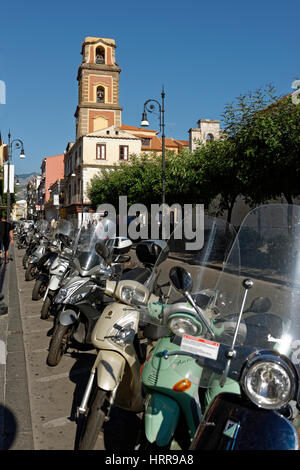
[23, 180]
[25, 177]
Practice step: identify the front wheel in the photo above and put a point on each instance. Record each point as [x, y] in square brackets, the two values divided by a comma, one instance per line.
[25, 261]
[58, 344]
[39, 289]
[30, 272]
[45, 312]
[94, 420]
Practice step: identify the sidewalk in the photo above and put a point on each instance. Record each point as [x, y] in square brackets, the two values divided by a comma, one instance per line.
[15, 418]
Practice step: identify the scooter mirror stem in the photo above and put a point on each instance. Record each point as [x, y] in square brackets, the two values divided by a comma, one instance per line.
[247, 284]
[199, 312]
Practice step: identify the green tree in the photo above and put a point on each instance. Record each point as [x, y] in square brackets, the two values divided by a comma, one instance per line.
[265, 129]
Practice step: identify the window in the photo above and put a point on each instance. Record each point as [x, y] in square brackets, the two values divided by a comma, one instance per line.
[100, 55]
[101, 152]
[123, 152]
[146, 142]
[209, 137]
[100, 96]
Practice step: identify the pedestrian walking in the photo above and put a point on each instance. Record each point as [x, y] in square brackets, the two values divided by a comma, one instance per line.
[6, 237]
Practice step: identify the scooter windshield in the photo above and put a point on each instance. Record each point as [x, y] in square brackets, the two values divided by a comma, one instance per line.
[43, 227]
[99, 230]
[64, 227]
[201, 252]
[269, 245]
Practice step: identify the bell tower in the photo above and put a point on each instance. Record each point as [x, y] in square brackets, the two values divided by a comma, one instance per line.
[98, 87]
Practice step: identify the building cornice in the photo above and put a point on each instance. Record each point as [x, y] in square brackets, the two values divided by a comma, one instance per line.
[97, 68]
[98, 107]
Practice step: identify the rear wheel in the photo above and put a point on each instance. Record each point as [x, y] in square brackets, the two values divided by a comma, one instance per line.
[39, 289]
[93, 422]
[30, 272]
[58, 344]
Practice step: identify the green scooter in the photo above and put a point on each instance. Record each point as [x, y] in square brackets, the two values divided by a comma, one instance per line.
[177, 388]
[173, 405]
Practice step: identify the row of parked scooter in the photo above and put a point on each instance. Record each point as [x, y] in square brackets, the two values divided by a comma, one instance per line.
[201, 343]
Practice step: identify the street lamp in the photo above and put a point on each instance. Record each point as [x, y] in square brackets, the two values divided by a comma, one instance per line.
[18, 143]
[144, 123]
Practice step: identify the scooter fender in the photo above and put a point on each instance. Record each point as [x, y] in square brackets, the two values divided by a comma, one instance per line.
[54, 283]
[110, 369]
[161, 418]
[68, 317]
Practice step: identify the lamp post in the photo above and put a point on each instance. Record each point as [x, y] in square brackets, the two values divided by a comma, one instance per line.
[144, 123]
[18, 143]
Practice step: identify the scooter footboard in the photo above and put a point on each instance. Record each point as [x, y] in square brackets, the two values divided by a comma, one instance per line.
[161, 418]
[110, 369]
[233, 423]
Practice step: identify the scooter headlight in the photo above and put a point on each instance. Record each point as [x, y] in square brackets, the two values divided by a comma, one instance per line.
[123, 330]
[184, 325]
[132, 296]
[62, 294]
[269, 383]
[77, 297]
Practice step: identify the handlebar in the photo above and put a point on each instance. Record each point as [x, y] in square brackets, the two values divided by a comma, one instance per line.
[99, 281]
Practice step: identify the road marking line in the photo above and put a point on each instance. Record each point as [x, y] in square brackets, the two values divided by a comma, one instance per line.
[38, 350]
[63, 375]
[2, 352]
[39, 331]
[38, 315]
[54, 423]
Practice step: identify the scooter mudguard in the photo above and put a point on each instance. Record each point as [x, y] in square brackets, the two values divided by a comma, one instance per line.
[54, 283]
[161, 418]
[68, 317]
[110, 369]
[232, 422]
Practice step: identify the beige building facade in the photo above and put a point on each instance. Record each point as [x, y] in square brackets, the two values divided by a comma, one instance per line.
[208, 129]
[92, 152]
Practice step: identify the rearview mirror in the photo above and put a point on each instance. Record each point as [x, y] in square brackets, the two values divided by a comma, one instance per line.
[181, 279]
[151, 252]
[260, 305]
[103, 251]
[64, 239]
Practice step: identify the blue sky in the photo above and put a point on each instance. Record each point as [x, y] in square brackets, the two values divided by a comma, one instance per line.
[204, 53]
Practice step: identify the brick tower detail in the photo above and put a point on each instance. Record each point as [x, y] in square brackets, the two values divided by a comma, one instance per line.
[98, 87]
